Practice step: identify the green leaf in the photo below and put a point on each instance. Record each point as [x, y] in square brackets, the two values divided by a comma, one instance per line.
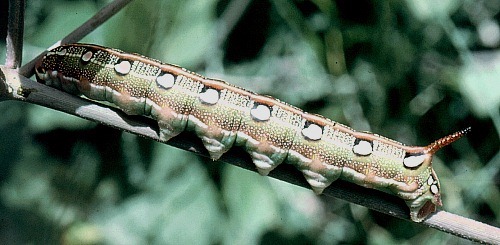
[251, 204]
[179, 205]
[480, 83]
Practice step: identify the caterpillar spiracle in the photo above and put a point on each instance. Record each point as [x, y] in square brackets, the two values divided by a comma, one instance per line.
[271, 131]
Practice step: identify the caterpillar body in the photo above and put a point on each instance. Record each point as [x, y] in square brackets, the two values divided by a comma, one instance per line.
[271, 131]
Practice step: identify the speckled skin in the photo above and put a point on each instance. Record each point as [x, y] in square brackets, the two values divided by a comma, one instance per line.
[271, 131]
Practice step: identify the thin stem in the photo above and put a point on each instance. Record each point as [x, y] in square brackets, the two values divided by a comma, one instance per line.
[15, 30]
[229, 18]
[27, 90]
[464, 227]
[90, 25]
[232, 14]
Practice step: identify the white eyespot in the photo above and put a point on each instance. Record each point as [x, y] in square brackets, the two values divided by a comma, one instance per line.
[123, 67]
[210, 96]
[430, 180]
[87, 56]
[313, 132]
[261, 113]
[62, 52]
[434, 189]
[165, 81]
[363, 148]
[414, 161]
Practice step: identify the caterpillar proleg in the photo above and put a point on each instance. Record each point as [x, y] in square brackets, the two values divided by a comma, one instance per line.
[271, 131]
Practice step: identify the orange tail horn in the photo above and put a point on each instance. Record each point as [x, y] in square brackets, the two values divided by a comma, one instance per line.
[440, 143]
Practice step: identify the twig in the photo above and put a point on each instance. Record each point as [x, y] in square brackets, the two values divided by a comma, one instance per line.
[464, 227]
[27, 90]
[15, 32]
[225, 24]
[90, 25]
[229, 18]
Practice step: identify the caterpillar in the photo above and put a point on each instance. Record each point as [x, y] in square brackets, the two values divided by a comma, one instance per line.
[271, 131]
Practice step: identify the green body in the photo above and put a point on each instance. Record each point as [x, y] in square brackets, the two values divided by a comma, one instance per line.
[223, 115]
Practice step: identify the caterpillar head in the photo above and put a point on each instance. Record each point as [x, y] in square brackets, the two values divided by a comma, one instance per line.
[430, 198]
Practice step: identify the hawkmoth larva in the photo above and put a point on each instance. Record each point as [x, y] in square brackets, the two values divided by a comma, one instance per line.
[271, 131]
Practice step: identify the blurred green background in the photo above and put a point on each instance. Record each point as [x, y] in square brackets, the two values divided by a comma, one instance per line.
[413, 71]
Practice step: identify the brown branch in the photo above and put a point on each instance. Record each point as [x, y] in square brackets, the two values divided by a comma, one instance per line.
[27, 90]
[90, 25]
[15, 30]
